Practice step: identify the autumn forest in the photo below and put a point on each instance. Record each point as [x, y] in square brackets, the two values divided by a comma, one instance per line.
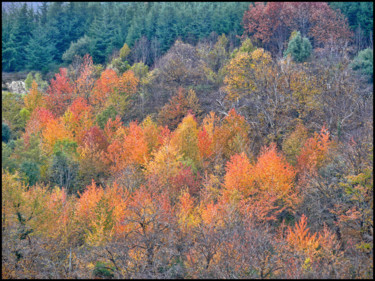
[188, 140]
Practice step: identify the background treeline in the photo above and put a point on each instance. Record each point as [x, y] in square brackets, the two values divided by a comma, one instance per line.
[37, 40]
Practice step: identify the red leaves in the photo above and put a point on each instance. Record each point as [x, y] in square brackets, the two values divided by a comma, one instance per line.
[266, 22]
[186, 180]
[179, 106]
[95, 139]
[60, 93]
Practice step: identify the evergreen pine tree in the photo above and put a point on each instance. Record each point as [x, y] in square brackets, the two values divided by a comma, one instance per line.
[39, 51]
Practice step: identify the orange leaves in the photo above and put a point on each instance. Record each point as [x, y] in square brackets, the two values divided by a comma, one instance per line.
[113, 90]
[111, 128]
[274, 175]
[239, 176]
[78, 118]
[314, 152]
[260, 189]
[205, 144]
[135, 145]
[128, 149]
[300, 238]
[88, 201]
[54, 131]
[100, 212]
[148, 211]
[211, 214]
[38, 120]
[128, 83]
[104, 86]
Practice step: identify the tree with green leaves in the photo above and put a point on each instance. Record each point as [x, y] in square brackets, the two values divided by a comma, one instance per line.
[5, 133]
[299, 48]
[364, 63]
[39, 51]
[79, 48]
[30, 171]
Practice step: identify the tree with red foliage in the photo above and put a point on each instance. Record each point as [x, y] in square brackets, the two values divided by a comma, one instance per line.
[178, 107]
[272, 23]
[59, 93]
[78, 117]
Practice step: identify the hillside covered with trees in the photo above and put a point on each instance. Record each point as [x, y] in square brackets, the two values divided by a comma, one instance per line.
[188, 140]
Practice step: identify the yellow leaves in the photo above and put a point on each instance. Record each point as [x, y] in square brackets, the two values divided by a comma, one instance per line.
[187, 216]
[292, 145]
[54, 130]
[238, 69]
[100, 213]
[116, 91]
[261, 56]
[166, 163]
[232, 136]
[304, 88]
[210, 122]
[34, 98]
[243, 72]
[185, 139]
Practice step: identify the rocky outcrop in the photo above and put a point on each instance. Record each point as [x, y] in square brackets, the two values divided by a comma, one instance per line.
[16, 87]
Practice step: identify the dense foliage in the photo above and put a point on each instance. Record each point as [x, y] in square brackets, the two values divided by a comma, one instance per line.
[189, 157]
[56, 31]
